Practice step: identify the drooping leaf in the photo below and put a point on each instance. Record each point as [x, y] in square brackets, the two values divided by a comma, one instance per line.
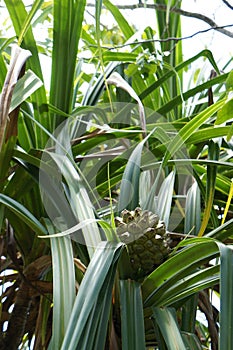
[118, 81]
[23, 214]
[78, 205]
[190, 127]
[21, 21]
[205, 53]
[18, 59]
[24, 88]
[179, 266]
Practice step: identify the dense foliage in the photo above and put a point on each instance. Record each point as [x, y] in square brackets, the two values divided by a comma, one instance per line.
[94, 123]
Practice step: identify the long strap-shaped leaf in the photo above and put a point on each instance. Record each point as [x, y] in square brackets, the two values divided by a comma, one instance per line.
[80, 204]
[194, 124]
[193, 210]
[100, 276]
[21, 21]
[205, 53]
[177, 268]
[118, 81]
[63, 286]
[210, 186]
[129, 190]
[165, 198]
[167, 323]
[226, 297]
[24, 88]
[68, 18]
[132, 319]
[127, 30]
[23, 214]
[18, 59]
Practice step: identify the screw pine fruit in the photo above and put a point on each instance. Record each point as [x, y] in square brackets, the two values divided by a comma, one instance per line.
[146, 240]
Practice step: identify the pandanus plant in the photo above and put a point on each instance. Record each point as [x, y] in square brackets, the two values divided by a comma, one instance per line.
[115, 218]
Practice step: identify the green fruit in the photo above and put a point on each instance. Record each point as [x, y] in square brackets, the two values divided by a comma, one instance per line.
[146, 240]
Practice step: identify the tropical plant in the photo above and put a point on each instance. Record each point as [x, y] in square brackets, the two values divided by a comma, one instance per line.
[90, 180]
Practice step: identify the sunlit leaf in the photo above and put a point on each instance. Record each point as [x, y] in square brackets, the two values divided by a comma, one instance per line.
[63, 286]
[193, 210]
[90, 302]
[24, 88]
[129, 190]
[229, 81]
[132, 326]
[165, 198]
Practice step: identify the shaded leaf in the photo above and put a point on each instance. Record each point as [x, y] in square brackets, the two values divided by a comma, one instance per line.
[168, 325]
[23, 214]
[226, 297]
